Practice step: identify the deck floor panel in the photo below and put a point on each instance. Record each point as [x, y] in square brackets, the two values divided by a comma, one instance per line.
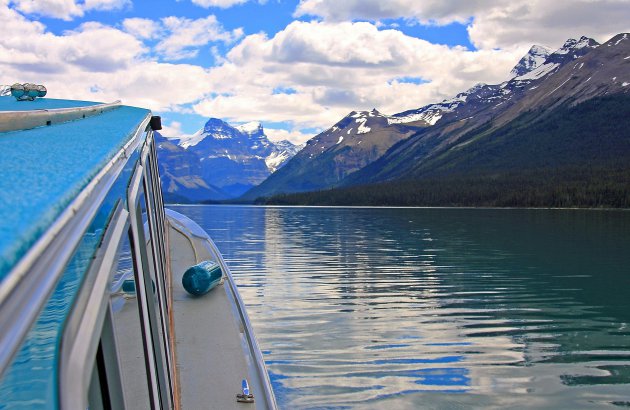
[209, 352]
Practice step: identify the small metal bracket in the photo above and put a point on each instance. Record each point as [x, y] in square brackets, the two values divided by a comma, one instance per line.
[245, 396]
[155, 123]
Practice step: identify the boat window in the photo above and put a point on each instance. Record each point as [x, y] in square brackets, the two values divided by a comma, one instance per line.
[157, 187]
[98, 393]
[157, 260]
[152, 288]
[126, 318]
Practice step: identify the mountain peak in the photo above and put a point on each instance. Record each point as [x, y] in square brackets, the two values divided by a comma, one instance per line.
[534, 58]
[573, 45]
[619, 38]
[364, 114]
[214, 122]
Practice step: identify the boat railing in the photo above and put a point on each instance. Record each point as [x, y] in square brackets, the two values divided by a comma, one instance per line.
[27, 119]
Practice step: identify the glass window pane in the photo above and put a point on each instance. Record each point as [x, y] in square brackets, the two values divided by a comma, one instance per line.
[155, 297]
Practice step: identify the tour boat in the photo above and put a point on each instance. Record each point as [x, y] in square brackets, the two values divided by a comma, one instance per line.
[93, 310]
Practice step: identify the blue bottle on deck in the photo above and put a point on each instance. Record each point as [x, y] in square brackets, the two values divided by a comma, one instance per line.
[201, 278]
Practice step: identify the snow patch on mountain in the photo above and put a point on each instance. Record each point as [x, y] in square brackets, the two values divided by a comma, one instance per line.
[534, 58]
[539, 72]
[432, 113]
[362, 127]
[191, 140]
[276, 159]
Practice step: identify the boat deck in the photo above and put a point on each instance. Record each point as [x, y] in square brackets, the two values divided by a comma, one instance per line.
[210, 342]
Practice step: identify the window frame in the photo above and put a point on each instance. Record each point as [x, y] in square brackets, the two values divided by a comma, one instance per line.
[85, 325]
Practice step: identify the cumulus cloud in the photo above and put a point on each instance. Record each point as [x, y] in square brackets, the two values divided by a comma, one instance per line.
[106, 4]
[174, 131]
[548, 22]
[186, 35]
[142, 28]
[426, 11]
[94, 62]
[310, 74]
[491, 23]
[224, 4]
[61, 9]
[66, 9]
[295, 136]
[332, 68]
[180, 37]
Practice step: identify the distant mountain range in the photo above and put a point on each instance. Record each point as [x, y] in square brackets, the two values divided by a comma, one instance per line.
[531, 129]
[219, 161]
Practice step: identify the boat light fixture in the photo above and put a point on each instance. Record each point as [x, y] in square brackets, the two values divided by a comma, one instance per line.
[27, 91]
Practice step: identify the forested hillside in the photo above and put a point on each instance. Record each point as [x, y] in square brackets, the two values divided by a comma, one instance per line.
[571, 156]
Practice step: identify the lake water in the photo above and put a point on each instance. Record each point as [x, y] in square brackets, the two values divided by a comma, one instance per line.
[434, 308]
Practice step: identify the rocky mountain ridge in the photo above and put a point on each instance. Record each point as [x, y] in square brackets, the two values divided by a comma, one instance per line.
[578, 71]
[219, 161]
[352, 143]
[542, 80]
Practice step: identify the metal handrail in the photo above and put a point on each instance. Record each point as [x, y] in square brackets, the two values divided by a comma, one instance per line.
[24, 120]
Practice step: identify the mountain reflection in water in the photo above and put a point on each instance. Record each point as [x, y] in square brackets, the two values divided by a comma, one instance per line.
[439, 308]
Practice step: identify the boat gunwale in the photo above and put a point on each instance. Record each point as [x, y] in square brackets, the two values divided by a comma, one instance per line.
[21, 120]
[173, 218]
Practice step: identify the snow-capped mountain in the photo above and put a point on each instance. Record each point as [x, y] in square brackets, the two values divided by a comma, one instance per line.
[578, 71]
[227, 159]
[180, 172]
[430, 114]
[397, 145]
[349, 145]
[534, 58]
[538, 63]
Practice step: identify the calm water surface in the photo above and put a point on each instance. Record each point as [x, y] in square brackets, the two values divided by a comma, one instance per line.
[434, 308]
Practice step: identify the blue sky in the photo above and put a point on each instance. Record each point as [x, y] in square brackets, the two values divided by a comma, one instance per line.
[296, 66]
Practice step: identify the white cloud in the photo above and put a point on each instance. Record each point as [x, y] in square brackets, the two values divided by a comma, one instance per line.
[141, 28]
[295, 136]
[426, 11]
[93, 62]
[66, 9]
[61, 9]
[174, 131]
[106, 4]
[179, 37]
[549, 22]
[336, 67]
[186, 36]
[491, 23]
[224, 4]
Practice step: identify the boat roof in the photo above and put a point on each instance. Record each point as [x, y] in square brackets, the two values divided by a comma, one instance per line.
[45, 168]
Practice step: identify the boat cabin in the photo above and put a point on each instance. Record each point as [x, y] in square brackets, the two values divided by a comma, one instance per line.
[93, 313]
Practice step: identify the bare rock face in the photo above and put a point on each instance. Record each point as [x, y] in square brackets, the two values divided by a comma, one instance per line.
[369, 147]
[220, 161]
[352, 143]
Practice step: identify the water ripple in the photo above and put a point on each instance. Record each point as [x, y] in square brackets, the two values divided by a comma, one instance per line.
[439, 308]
